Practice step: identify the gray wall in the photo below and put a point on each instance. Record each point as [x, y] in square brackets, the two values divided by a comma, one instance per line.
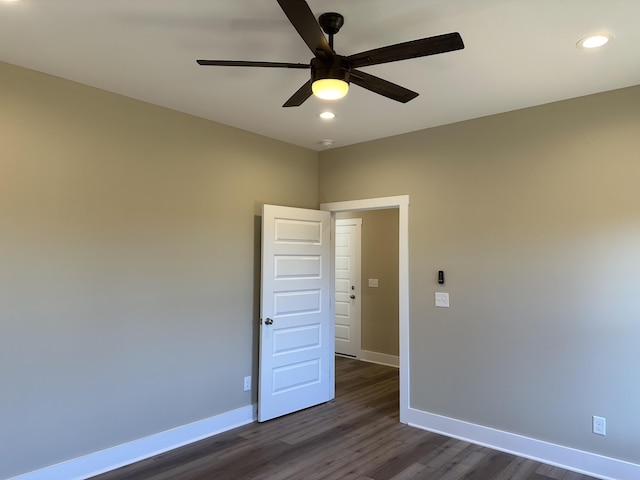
[535, 217]
[128, 258]
[379, 259]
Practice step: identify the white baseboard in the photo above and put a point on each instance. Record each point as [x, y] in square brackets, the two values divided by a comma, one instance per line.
[564, 457]
[381, 358]
[131, 452]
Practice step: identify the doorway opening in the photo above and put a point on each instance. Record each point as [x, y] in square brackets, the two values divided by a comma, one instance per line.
[402, 204]
[366, 285]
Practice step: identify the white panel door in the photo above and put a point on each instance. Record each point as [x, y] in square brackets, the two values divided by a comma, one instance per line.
[347, 286]
[296, 328]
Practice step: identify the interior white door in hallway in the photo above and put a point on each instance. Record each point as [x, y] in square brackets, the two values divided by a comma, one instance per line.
[347, 286]
[296, 363]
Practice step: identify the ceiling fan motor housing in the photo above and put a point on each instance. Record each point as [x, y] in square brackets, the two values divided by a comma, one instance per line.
[336, 69]
[331, 22]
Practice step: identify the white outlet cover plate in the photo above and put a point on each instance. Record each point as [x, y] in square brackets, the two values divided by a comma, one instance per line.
[599, 425]
[442, 299]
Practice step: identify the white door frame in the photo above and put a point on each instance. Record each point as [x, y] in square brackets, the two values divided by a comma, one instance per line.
[400, 202]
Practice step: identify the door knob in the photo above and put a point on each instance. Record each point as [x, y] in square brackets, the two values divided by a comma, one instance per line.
[352, 297]
[268, 321]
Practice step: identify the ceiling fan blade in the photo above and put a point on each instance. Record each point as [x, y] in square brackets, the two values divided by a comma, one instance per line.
[300, 96]
[403, 51]
[382, 87]
[303, 20]
[240, 63]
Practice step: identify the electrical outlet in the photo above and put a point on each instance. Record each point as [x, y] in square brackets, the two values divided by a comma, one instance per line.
[247, 383]
[599, 425]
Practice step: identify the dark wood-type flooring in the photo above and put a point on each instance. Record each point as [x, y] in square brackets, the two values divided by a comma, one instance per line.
[357, 436]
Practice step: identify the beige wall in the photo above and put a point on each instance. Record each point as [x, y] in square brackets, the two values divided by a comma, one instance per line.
[535, 217]
[128, 258]
[379, 259]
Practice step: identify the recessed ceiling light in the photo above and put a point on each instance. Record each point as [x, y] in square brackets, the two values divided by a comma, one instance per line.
[327, 115]
[594, 41]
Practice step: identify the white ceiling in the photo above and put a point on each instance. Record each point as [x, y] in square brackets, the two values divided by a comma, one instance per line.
[518, 53]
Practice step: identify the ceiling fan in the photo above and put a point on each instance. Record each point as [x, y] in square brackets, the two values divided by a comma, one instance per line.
[331, 73]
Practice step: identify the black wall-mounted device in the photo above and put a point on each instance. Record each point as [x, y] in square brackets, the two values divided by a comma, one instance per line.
[440, 277]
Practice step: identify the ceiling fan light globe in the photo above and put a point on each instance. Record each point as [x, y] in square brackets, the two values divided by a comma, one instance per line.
[330, 88]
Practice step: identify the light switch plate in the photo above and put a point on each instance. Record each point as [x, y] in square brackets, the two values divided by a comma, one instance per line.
[373, 282]
[442, 299]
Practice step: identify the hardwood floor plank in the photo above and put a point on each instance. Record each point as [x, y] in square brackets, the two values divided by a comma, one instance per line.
[413, 453]
[357, 449]
[538, 476]
[444, 453]
[412, 472]
[356, 436]
[330, 453]
[361, 460]
[491, 466]
[518, 469]
[459, 467]
[550, 471]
